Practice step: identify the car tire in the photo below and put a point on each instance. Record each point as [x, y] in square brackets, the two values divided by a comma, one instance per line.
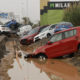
[41, 56]
[48, 35]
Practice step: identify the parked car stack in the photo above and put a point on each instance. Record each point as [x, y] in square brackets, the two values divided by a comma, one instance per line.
[62, 43]
[64, 40]
[39, 33]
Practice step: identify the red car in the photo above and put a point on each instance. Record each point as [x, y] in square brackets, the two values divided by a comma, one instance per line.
[62, 43]
[28, 39]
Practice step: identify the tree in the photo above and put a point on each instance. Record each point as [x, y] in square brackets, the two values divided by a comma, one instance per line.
[72, 14]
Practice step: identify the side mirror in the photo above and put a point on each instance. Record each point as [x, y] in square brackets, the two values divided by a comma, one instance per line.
[49, 43]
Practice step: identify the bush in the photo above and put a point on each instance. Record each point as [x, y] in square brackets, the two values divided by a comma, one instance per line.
[72, 14]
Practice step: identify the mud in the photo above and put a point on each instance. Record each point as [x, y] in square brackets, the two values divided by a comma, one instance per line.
[33, 69]
[15, 67]
[75, 61]
[34, 46]
[7, 59]
[5, 65]
[3, 40]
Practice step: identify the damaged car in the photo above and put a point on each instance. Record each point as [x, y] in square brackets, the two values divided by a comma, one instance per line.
[62, 43]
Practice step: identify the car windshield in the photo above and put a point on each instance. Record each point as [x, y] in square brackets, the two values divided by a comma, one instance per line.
[56, 37]
[33, 31]
[66, 24]
[45, 29]
[53, 26]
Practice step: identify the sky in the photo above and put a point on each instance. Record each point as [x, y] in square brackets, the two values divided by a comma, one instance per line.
[29, 8]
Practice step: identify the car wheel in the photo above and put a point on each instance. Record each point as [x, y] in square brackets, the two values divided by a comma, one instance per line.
[48, 35]
[41, 57]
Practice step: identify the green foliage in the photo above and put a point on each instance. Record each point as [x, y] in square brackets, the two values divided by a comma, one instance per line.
[72, 14]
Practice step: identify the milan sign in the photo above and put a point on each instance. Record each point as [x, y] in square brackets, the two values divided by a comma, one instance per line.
[60, 5]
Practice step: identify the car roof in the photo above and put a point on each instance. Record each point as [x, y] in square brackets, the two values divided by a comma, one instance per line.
[65, 23]
[67, 29]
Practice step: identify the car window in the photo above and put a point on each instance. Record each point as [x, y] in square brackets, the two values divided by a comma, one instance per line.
[75, 32]
[56, 37]
[53, 26]
[69, 33]
[41, 29]
[63, 25]
[33, 31]
[45, 29]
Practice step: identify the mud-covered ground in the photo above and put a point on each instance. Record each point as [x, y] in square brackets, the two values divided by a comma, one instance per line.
[34, 46]
[5, 65]
[7, 61]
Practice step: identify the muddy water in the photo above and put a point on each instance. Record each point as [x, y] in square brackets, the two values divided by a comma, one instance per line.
[26, 71]
[33, 69]
[6, 60]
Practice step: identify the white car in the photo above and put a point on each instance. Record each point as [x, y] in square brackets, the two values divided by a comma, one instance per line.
[23, 29]
[46, 32]
[4, 29]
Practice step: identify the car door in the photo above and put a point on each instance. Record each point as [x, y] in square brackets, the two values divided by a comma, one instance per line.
[56, 48]
[69, 41]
